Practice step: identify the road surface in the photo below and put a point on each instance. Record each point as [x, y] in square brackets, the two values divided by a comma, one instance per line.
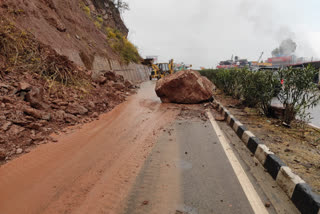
[142, 157]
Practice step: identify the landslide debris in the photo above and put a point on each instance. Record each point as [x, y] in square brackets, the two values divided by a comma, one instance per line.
[42, 92]
[184, 87]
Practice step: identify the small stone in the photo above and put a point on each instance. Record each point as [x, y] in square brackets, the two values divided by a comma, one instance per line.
[267, 204]
[19, 151]
[2, 154]
[6, 126]
[145, 203]
[23, 86]
[95, 115]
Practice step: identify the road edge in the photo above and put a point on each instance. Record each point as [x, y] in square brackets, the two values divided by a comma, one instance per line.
[296, 189]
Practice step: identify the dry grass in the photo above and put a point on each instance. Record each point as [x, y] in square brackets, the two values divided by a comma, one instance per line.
[19, 50]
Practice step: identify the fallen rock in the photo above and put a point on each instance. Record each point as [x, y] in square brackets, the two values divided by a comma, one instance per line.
[185, 87]
[91, 104]
[15, 129]
[6, 126]
[35, 98]
[19, 151]
[33, 112]
[95, 115]
[2, 140]
[3, 154]
[23, 86]
[2, 85]
[118, 86]
[76, 109]
[59, 115]
[6, 99]
[70, 118]
[38, 137]
[98, 77]
[110, 75]
[37, 114]
[128, 84]
[35, 126]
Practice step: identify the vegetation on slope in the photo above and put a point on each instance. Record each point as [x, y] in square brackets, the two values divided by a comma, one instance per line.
[121, 45]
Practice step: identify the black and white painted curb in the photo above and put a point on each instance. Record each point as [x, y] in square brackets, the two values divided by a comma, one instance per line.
[297, 189]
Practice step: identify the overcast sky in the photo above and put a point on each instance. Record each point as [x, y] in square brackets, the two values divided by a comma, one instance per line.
[204, 32]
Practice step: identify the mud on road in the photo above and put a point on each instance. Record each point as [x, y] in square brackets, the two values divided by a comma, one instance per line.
[141, 157]
[91, 169]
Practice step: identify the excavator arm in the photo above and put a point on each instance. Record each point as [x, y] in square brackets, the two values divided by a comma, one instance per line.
[171, 69]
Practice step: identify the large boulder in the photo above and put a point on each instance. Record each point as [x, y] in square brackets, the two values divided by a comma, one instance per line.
[185, 87]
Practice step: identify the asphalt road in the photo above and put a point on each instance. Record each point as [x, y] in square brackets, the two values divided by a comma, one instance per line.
[142, 157]
[190, 166]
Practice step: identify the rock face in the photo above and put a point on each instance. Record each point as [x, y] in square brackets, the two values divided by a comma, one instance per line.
[185, 87]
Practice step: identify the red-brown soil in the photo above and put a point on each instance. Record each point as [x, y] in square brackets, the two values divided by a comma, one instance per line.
[66, 27]
[51, 107]
[42, 91]
[89, 170]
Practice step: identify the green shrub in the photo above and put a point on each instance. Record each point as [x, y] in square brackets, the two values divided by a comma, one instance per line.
[255, 89]
[121, 45]
[299, 92]
[259, 88]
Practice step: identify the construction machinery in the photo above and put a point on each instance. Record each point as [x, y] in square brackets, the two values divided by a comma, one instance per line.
[160, 70]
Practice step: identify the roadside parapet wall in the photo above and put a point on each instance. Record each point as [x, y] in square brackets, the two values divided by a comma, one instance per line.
[296, 188]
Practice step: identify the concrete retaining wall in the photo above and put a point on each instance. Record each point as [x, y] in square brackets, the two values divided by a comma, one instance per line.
[133, 72]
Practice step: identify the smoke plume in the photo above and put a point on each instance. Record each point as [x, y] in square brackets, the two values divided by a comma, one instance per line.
[287, 47]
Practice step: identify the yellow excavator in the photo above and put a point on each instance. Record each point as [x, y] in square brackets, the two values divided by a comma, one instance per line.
[161, 70]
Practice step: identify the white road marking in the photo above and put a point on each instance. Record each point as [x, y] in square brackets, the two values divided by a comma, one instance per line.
[253, 197]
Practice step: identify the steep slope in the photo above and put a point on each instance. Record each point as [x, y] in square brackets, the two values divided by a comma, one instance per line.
[57, 68]
[74, 28]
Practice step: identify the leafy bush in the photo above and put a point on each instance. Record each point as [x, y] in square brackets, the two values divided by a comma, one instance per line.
[255, 89]
[258, 88]
[121, 45]
[299, 92]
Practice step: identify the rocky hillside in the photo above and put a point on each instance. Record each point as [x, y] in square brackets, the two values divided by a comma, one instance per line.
[74, 28]
[47, 48]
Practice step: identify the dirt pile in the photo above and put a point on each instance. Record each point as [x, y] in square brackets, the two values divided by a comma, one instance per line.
[42, 92]
[185, 87]
[31, 108]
